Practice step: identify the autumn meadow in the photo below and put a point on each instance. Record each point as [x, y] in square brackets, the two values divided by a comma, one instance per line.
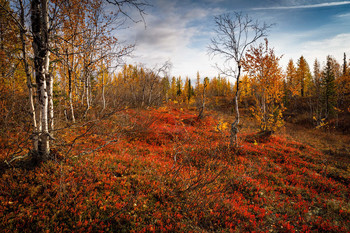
[89, 143]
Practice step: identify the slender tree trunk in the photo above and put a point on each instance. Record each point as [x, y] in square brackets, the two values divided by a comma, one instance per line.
[39, 21]
[70, 86]
[82, 82]
[103, 93]
[150, 94]
[49, 84]
[45, 144]
[143, 95]
[264, 112]
[70, 94]
[71, 102]
[302, 86]
[29, 80]
[47, 79]
[87, 88]
[103, 84]
[201, 109]
[234, 129]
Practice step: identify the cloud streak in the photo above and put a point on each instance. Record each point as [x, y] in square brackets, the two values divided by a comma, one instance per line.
[326, 4]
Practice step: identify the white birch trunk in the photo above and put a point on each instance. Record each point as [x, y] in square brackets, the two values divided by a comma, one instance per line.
[82, 90]
[70, 94]
[103, 92]
[234, 125]
[46, 74]
[49, 85]
[40, 28]
[35, 138]
[45, 146]
[87, 93]
[87, 89]
[71, 105]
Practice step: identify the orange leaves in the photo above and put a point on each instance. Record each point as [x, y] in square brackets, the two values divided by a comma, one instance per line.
[266, 78]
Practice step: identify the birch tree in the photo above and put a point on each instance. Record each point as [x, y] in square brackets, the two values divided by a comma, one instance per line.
[234, 34]
[41, 39]
[42, 32]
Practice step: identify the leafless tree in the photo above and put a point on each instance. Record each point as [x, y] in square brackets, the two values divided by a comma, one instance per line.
[155, 77]
[234, 34]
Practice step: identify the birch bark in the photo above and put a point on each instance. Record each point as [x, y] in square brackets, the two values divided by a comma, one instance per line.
[40, 29]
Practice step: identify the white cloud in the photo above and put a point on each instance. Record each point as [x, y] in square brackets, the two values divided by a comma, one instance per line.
[343, 16]
[311, 50]
[321, 49]
[326, 4]
[169, 34]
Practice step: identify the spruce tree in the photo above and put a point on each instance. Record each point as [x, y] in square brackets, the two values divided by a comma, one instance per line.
[329, 90]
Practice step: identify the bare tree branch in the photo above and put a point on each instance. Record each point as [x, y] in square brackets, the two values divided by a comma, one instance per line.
[14, 18]
[140, 6]
[234, 34]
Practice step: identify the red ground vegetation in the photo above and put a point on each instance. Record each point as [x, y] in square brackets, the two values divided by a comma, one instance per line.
[167, 171]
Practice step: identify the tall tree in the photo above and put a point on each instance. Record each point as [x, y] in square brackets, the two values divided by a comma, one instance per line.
[41, 47]
[23, 36]
[179, 86]
[291, 79]
[328, 86]
[343, 83]
[317, 81]
[303, 76]
[234, 34]
[262, 65]
[173, 89]
[188, 90]
[166, 87]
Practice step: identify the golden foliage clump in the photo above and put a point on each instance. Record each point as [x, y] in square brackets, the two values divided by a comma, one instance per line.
[266, 79]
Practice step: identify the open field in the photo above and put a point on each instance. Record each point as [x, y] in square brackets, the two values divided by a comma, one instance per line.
[163, 170]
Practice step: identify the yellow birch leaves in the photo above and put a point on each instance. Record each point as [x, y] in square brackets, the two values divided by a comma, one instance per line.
[262, 66]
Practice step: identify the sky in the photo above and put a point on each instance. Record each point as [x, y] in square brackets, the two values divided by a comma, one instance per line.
[180, 31]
